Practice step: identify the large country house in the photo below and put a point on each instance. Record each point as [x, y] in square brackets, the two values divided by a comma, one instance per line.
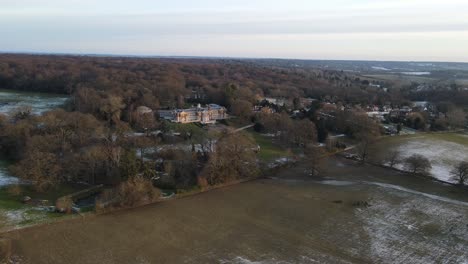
[204, 115]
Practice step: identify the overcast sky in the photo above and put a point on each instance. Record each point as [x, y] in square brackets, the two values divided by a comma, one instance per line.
[429, 30]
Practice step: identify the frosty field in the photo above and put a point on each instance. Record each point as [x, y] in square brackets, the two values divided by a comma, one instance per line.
[291, 218]
[444, 150]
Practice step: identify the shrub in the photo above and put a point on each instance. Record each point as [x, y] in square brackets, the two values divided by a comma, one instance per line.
[137, 190]
[64, 204]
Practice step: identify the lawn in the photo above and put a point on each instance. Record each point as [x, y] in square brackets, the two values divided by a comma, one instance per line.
[268, 150]
[15, 213]
[235, 123]
[443, 150]
[458, 138]
[28, 190]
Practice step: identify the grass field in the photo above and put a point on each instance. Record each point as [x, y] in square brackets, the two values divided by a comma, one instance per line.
[458, 138]
[444, 150]
[14, 213]
[289, 219]
[268, 150]
[462, 82]
[407, 79]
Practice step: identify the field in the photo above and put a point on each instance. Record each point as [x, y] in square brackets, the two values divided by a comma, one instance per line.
[403, 79]
[15, 214]
[290, 218]
[39, 102]
[463, 82]
[444, 150]
[268, 150]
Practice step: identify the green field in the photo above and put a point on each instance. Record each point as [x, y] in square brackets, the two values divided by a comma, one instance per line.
[15, 213]
[458, 138]
[443, 150]
[268, 150]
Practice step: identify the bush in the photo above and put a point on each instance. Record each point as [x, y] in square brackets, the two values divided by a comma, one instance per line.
[64, 204]
[137, 190]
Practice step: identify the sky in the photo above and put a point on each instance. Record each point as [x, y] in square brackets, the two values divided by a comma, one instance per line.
[417, 30]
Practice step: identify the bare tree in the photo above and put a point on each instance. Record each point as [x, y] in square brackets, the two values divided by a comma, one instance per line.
[41, 168]
[366, 132]
[456, 118]
[112, 107]
[315, 158]
[417, 164]
[241, 109]
[234, 158]
[460, 173]
[137, 190]
[393, 158]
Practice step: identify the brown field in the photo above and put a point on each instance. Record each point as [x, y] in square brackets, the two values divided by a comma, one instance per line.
[288, 219]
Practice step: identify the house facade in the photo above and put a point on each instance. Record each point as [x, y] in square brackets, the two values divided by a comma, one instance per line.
[204, 115]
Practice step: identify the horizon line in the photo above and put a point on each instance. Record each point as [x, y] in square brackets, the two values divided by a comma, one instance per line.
[126, 55]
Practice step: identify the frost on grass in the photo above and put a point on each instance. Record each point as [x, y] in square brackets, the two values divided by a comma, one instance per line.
[22, 217]
[444, 155]
[406, 227]
[39, 103]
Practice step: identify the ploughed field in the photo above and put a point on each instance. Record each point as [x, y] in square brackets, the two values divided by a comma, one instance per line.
[357, 214]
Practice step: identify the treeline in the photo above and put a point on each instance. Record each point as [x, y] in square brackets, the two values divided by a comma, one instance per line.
[440, 93]
[166, 82]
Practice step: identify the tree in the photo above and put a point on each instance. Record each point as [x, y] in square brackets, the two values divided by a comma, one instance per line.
[399, 128]
[112, 107]
[315, 158]
[234, 158]
[137, 190]
[144, 122]
[141, 144]
[460, 173]
[417, 164]
[41, 168]
[416, 120]
[456, 118]
[91, 163]
[366, 132]
[393, 158]
[129, 165]
[445, 107]
[241, 109]
[302, 133]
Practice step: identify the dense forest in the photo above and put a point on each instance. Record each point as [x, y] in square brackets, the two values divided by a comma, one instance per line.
[164, 80]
